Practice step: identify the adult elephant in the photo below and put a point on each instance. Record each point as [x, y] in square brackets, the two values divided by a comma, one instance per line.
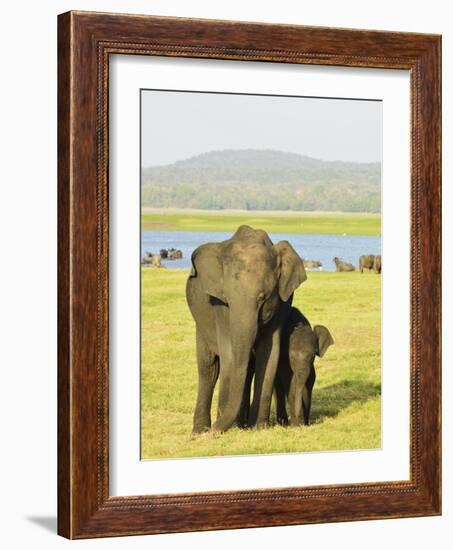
[239, 293]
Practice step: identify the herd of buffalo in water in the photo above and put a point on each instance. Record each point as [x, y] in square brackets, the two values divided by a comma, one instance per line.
[154, 260]
[368, 262]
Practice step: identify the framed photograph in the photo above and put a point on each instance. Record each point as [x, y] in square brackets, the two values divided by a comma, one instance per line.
[249, 275]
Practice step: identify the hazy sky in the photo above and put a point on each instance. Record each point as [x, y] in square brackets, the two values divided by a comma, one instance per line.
[179, 125]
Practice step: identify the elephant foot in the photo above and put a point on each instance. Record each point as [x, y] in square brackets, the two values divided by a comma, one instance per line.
[262, 424]
[242, 423]
[218, 427]
[244, 426]
[296, 423]
[209, 434]
[283, 421]
[198, 430]
[221, 425]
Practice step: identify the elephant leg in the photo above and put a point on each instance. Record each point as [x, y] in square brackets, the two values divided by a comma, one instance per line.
[283, 379]
[225, 353]
[235, 343]
[306, 397]
[224, 383]
[280, 394]
[267, 354]
[306, 404]
[243, 419]
[292, 399]
[208, 372]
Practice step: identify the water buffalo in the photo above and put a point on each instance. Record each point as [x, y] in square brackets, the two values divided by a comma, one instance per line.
[312, 264]
[147, 258]
[377, 265]
[366, 262]
[152, 259]
[156, 261]
[174, 254]
[343, 266]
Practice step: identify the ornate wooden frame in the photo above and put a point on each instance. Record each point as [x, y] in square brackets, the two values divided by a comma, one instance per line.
[85, 41]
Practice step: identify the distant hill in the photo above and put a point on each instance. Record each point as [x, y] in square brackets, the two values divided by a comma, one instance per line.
[263, 180]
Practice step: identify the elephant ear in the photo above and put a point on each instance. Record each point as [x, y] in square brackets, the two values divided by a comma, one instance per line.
[324, 338]
[206, 266]
[292, 270]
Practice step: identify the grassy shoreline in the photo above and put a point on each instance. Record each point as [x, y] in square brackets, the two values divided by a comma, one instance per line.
[325, 223]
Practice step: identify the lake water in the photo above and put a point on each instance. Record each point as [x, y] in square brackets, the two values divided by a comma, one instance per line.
[309, 247]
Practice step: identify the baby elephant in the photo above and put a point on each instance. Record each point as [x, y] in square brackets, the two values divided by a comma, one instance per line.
[296, 371]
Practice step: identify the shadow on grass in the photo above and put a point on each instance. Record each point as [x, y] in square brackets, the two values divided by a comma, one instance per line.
[331, 400]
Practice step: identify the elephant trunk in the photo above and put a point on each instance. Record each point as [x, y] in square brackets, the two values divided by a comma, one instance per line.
[243, 329]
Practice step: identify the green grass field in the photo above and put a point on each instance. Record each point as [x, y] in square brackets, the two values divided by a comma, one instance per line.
[346, 409]
[273, 222]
